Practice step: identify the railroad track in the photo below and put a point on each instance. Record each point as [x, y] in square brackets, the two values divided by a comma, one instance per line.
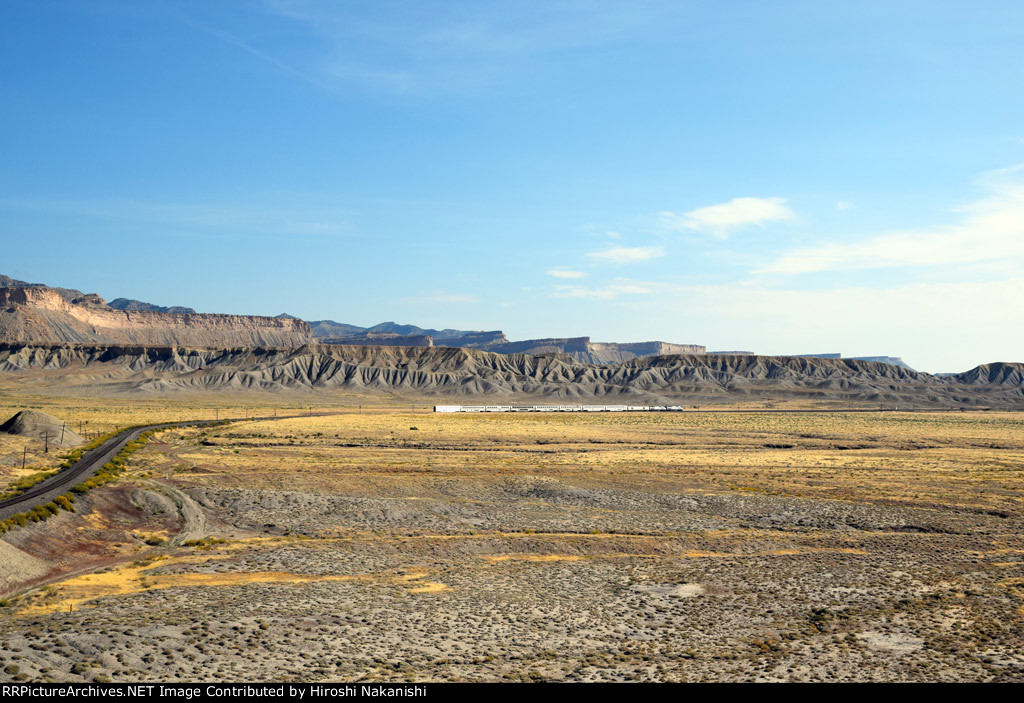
[90, 462]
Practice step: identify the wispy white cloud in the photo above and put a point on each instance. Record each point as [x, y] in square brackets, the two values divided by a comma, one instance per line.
[234, 40]
[721, 219]
[627, 255]
[441, 298]
[853, 320]
[989, 229]
[613, 290]
[412, 48]
[300, 218]
[564, 272]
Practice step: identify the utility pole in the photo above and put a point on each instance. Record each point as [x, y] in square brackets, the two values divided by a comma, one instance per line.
[62, 428]
[46, 440]
[24, 453]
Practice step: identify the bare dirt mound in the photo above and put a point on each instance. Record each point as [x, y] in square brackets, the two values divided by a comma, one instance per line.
[32, 423]
[17, 566]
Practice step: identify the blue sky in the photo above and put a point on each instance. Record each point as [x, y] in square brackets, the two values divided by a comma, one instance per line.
[784, 177]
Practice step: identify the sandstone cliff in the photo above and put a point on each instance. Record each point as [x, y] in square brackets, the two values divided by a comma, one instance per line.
[578, 348]
[45, 315]
[582, 349]
[381, 339]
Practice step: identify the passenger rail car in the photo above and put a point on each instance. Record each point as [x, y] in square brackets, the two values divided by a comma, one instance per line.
[555, 408]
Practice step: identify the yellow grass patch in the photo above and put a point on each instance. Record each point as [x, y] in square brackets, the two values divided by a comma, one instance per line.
[969, 459]
[414, 579]
[532, 557]
[541, 558]
[78, 591]
[775, 552]
[429, 587]
[95, 520]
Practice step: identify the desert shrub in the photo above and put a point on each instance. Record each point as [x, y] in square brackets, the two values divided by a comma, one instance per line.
[108, 473]
[19, 486]
[205, 543]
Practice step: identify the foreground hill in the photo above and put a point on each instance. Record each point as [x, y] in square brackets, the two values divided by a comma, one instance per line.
[33, 423]
[445, 371]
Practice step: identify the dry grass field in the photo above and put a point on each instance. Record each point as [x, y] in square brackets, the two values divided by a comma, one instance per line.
[390, 543]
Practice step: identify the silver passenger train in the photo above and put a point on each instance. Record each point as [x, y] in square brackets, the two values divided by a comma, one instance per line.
[555, 408]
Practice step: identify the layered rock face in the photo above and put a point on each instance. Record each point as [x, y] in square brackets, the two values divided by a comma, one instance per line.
[577, 348]
[43, 315]
[382, 339]
[473, 340]
[582, 349]
[329, 332]
[697, 378]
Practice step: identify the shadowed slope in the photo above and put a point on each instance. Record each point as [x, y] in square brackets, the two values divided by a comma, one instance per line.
[458, 371]
[32, 423]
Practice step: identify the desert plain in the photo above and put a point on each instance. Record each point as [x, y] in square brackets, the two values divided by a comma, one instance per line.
[370, 539]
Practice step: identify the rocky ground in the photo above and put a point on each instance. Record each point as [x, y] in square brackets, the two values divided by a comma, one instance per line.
[193, 569]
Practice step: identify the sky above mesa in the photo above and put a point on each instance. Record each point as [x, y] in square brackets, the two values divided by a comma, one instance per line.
[783, 178]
